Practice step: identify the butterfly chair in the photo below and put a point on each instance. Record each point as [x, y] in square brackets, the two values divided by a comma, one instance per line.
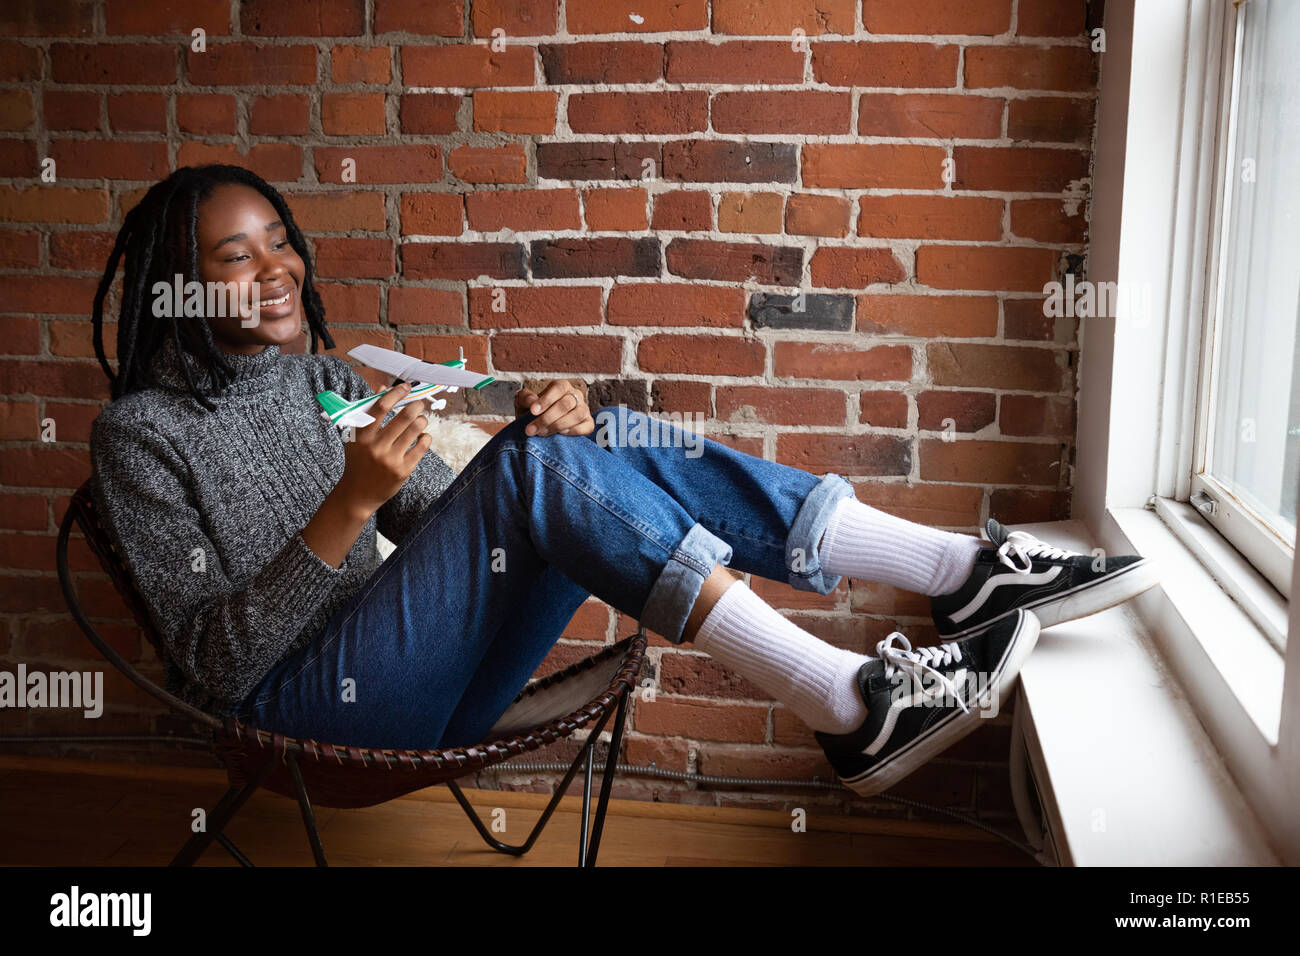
[343, 776]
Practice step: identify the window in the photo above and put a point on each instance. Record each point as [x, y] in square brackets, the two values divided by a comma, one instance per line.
[1199, 86]
[1246, 465]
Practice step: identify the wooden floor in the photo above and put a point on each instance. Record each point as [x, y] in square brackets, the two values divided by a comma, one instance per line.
[92, 813]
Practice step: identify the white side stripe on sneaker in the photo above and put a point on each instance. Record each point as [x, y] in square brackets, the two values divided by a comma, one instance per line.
[1042, 577]
[896, 707]
[917, 662]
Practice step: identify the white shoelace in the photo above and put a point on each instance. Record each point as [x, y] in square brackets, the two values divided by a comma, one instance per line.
[921, 659]
[1027, 547]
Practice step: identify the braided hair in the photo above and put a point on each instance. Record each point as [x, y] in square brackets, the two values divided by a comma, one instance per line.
[159, 238]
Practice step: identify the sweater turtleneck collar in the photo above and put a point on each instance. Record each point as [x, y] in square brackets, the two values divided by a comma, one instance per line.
[251, 373]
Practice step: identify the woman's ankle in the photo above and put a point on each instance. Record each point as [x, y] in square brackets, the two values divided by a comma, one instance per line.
[715, 585]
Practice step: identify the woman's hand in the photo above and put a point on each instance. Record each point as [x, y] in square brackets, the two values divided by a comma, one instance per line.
[379, 458]
[377, 461]
[561, 409]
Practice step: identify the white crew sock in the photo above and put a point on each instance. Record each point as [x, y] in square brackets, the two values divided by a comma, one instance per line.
[816, 680]
[864, 542]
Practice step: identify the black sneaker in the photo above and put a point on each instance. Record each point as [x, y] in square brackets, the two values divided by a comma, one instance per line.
[1019, 571]
[920, 702]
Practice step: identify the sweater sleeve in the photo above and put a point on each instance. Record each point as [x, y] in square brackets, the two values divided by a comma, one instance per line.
[431, 477]
[223, 635]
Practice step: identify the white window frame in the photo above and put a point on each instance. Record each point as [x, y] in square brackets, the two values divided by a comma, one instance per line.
[1268, 552]
[1217, 622]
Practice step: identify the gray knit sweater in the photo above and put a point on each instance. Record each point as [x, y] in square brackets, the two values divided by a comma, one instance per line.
[208, 508]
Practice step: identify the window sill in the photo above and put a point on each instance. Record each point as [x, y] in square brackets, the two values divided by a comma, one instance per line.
[1231, 570]
[1235, 660]
[1129, 775]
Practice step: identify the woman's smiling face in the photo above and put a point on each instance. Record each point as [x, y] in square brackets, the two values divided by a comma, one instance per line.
[242, 240]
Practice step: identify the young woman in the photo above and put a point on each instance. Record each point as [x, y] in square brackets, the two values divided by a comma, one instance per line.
[249, 525]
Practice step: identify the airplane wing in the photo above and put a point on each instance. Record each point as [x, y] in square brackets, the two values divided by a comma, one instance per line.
[386, 360]
[413, 370]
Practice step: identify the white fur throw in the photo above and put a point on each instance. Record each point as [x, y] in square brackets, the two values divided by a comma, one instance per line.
[456, 443]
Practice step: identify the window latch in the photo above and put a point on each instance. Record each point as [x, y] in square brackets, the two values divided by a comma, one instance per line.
[1204, 503]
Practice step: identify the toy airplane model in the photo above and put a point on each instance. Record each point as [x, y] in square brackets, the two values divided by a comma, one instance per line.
[426, 378]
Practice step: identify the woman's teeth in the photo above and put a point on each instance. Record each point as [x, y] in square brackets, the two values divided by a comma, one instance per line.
[280, 301]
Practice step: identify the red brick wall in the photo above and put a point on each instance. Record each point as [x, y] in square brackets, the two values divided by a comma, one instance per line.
[650, 194]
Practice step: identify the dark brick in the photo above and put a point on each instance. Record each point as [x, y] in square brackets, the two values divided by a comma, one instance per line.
[667, 395]
[551, 352]
[615, 391]
[883, 408]
[846, 454]
[429, 112]
[1025, 506]
[148, 64]
[969, 411]
[702, 161]
[570, 161]
[704, 677]
[990, 743]
[939, 782]
[735, 261]
[601, 256]
[1025, 320]
[495, 398]
[993, 793]
[462, 260]
[602, 62]
[828, 313]
[332, 18]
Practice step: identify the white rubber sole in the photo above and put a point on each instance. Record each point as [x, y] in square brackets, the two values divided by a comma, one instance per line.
[1102, 595]
[955, 727]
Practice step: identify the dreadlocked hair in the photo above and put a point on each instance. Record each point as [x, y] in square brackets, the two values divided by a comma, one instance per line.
[159, 238]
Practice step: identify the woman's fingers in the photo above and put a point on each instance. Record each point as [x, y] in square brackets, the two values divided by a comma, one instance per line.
[423, 442]
[524, 400]
[554, 404]
[559, 407]
[543, 400]
[379, 411]
[578, 422]
[395, 430]
[571, 420]
[410, 433]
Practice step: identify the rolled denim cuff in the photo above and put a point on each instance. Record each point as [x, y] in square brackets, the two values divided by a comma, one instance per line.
[801, 555]
[678, 586]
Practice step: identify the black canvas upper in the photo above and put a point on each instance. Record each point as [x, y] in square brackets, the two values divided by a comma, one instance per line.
[1050, 577]
[984, 655]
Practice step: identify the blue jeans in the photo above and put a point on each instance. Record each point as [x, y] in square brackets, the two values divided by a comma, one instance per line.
[439, 641]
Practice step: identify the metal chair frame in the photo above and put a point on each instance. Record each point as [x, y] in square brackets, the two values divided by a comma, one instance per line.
[235, 744]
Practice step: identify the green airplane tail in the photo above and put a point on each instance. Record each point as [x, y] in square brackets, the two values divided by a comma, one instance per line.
[460, 363]
[332, 402]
